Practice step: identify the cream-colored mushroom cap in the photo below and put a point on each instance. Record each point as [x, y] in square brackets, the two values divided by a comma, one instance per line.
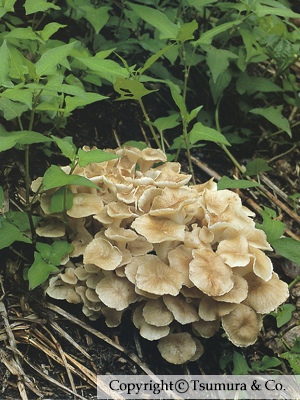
[69, 276]
[149, 157]
[209, 273]
[234, 252]
[179, 260]
[85, 204]
[216, 202]
[206, 329]
[199, 350]
[148, 331]
[210, 309]
[256, 238]
[238, 293]
[154, 276]
[262, 266]
[183, 312]
[102, 253]
[169, 178]
[177, 348]
[112, 316]
[52, 228]
[158, 229]
[263, 296]
[242, 325]
[156, 313]
[116, 292]
[140, 246]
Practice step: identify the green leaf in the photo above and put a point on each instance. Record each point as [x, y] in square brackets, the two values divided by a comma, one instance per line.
[288, 248]
[34, 6]
[75, 102]
[252, 84]
[50, 29]
[227, 183]
[5, 66]
[154, 58]
[11, 109]
[283, 314]
[9, 234]
[273, 229]
[256, 166]
[94, 156]
[193, 114]
[108, 69]
[166, 122]
[218, 61]
[96, 16]
[240, 364]
[261, 11]
[18, 64]
[47, 64]
[218, 88]
[10, 139]
[186, 31]
[21, 221]
[58, 203]
[54, 253]
[39, 271]
[23, 33]
[55, 177]
[134, 143]
[159, 20]
[270, 362]
[207, 37]
[179, 100]
[21, 95]
[201, 132]
[66, 146]
[130, 89]
[273, 114]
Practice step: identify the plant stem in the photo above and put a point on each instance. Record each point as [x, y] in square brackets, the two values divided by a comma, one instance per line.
[294, 282]
[149, 123]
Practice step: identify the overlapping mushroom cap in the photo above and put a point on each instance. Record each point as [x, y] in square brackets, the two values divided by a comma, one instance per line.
[177, 255]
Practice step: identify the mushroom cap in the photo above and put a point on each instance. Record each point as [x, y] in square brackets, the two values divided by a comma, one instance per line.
[256, 238]
[156, 313]
[238, 293]
[140, 246]
[262, 266]
[183, 312]
[199, 350]
[242, 325]
[206, 329]
[157, 229]
[216, 202]
[120, 235]
[209, 273]
[148, 331]
[116, 292]
[69, 276]
[85, 204]
[210, 309]
[149, 157]
[234, 252]
[177, 348]
[263, 296]
[154, 276]
[179, 260]
[171, 179]
[112, 316]
[51, 228]
[102, 253]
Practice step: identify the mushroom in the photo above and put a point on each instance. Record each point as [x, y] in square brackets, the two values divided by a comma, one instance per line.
[112, 316]
[242, 325]
[149, 157]
[177, 348]
[234, 252]
[206, 329]
[156, 313]
[210, 309]
[179, 260]
[183, 312]
[85, 204]
[102, 253]
[262, 266]
[147, 331]
[238, 293]
[216, 202]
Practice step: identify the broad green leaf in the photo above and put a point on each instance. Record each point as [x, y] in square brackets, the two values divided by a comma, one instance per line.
[66, 146]
[154, 58]
[256, 166]
[288, 248]
[55, 177]
[34, 6]
[9, 234]
[240, 364]
[21, 95]
[227, 183]
[55, 252]
[108, 69]
[207, 37]
[273, 114]
[252, 84]
[50, 29]
[23, 33]
[134, 143]
[96, 16]
[18, 66]
[179, 142]
[199, 4]
[261, 11]
[193, 114]
[1, 196]
[223, 80]
[59, 203]
[45, 106]
[94, 156]
[21, 221]
[5, 66]
[273, 229]
[176, 94]
[30, 137]
[39, 271]
[271, 362]
[218, 61]
[75, 102]
[47, 64]
[201, 132]
[130, 89]
[11, 109]
[186, 31]
[283, 314]
[159, 20]
[166, 122]
[7, 5]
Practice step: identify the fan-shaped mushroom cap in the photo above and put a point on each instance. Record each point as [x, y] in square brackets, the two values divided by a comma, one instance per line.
[148, 331]
[199, 350]
[102, 253]
[256, 238]
[179, 260]
[51, 228]
[60, 290]
[156, 313]
[177, 348]
[85, 204]
[112, 316]
[263, 296]
[154, 276]
[262, 266]
[149, 157]
[120, 235]
[69, 276]
[216, 202]
[234, 252]
[140, 246]
[206, 329]
[116, 292]
[238, 293]
[210, 185]
[230, 217]
[145, 200]
[210, 309]
[169, 178]
[80, 242]
[183, 312]
[242, 325]
[209, 273]
[191, 292]
[157, 230]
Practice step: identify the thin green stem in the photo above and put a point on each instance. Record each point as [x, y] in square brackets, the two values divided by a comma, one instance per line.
[294, 282]
[149, 124]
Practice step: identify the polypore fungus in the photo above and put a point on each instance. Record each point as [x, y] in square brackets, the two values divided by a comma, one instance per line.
[182, 258]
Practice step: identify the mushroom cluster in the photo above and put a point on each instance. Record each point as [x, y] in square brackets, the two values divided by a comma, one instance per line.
[184, 259]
